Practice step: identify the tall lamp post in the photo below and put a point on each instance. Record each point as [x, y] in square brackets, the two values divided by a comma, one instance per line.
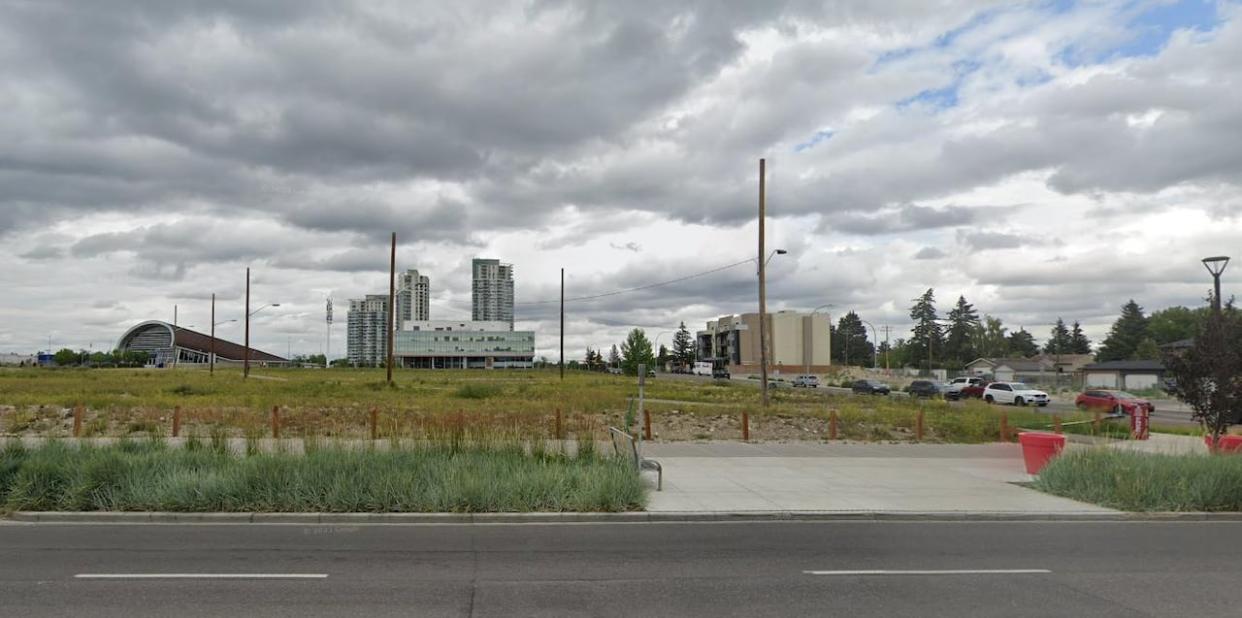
[808, 354]
[763, 296]
[246, 363]
[1216, 265]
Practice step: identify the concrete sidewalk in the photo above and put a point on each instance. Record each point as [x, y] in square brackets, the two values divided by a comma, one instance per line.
[739, 477]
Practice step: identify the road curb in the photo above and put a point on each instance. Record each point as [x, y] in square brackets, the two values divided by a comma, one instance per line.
[109, 517]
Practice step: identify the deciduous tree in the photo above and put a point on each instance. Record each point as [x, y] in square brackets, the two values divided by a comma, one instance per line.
[1208, 376]
[636, 350]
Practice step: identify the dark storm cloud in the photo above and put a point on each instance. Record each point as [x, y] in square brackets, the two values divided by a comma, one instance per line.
[906, 218]
[930, 253]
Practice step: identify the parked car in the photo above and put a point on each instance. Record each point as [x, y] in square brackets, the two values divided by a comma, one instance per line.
[806, 381]
[1119, 402]
[973, 391]
[1015, 393]
[923, 388]
[1168, 385]
[616, 371]
[869, 387]
[953, 390]
[720, 373]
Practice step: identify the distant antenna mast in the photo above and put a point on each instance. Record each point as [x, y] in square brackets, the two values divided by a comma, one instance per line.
[328, 347]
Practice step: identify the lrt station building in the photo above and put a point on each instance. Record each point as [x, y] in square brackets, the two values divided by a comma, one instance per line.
[795, 340]
[171, 346]
[448, 344]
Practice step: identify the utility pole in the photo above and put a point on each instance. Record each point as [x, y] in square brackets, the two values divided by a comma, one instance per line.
[763, 291]
[392, 299]
[246, 352]
[328, 349]
[562, 363]
[887, 347]
[211, 362]
[174, 341]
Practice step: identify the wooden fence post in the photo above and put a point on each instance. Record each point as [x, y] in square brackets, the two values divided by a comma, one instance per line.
[276, 422]
[77, 420]
[374, 423]
[646, 424]
[1095, 423]
[1056, 424]
[832, 424]
[745, 426]
[558, 424]
[176, 421]
[1004, 427]
[918, 426]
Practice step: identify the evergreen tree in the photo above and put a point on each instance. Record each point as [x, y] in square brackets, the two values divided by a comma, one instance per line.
[990, 339]
[662, 356]
[636, 350]
[959, 347]
[926, 334]
[1078, 340]
[683, 346]
[614, 358]
[1124, 337]
[849, 342]
[1059, 341]
[1022, 344]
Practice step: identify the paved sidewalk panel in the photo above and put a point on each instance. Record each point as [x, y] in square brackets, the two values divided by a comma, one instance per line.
[850, 478]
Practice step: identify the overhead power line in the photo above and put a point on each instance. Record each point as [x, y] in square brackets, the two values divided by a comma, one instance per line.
[641, 287]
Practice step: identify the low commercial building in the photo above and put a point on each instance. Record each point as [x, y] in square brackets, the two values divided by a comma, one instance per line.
[1124, 375]
[449, 344]
[795, 340]
[11, 359]
[165, 343]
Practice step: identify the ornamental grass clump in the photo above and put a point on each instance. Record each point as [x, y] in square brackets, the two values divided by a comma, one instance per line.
[452, 476]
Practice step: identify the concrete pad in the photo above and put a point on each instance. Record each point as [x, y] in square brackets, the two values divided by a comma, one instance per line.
[926, 478]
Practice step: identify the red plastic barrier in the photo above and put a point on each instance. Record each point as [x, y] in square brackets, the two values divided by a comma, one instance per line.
[1228, 444]
[1038, 448]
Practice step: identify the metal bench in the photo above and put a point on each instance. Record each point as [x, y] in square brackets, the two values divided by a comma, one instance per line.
[624, 441]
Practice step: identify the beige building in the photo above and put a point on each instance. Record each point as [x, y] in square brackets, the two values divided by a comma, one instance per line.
[794, 340]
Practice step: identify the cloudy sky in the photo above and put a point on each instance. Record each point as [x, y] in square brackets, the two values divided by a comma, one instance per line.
[1043, 158]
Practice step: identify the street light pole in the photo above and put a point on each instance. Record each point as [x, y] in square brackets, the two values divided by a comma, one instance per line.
[562, 362]
[1216, 266]
[246, 353]
[809, 354]
[212, 359]
[763, 291]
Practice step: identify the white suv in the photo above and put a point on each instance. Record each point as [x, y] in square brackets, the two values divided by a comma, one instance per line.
[954, 388]
[1015, 393]
[806, 381]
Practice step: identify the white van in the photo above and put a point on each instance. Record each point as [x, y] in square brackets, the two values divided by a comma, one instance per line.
[702, 369]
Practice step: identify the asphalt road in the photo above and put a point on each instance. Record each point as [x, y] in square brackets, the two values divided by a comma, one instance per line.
[734, 569]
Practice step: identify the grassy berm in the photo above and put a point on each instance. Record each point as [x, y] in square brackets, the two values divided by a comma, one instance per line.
[1146, 482]
[148, 475]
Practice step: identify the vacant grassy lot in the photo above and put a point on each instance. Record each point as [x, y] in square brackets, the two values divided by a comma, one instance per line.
[1145, 482]
[147, 475]
[338, 403]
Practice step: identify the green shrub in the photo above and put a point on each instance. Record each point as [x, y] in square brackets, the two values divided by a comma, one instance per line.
[477, 391]
[148, 475]
[1145, 482]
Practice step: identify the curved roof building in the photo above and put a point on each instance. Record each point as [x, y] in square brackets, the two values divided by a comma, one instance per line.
[165, 342]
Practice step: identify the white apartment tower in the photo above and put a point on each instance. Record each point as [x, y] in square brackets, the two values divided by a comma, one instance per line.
[367, 340]
[492, 292]
[413, 298]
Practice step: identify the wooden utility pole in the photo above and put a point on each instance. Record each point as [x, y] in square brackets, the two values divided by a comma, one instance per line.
[246, 352]
[392, 299]
[763, 290]
[562, 363]
[211, 362]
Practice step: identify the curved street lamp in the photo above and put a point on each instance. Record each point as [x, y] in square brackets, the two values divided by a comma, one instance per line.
[1216, 265]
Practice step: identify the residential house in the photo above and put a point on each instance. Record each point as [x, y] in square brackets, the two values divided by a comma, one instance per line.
[1124, 374]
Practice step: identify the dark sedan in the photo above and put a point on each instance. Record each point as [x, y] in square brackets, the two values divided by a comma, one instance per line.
[870, 387]
[923, 388]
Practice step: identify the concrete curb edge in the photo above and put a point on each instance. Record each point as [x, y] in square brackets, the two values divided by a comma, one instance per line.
[112, 517]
